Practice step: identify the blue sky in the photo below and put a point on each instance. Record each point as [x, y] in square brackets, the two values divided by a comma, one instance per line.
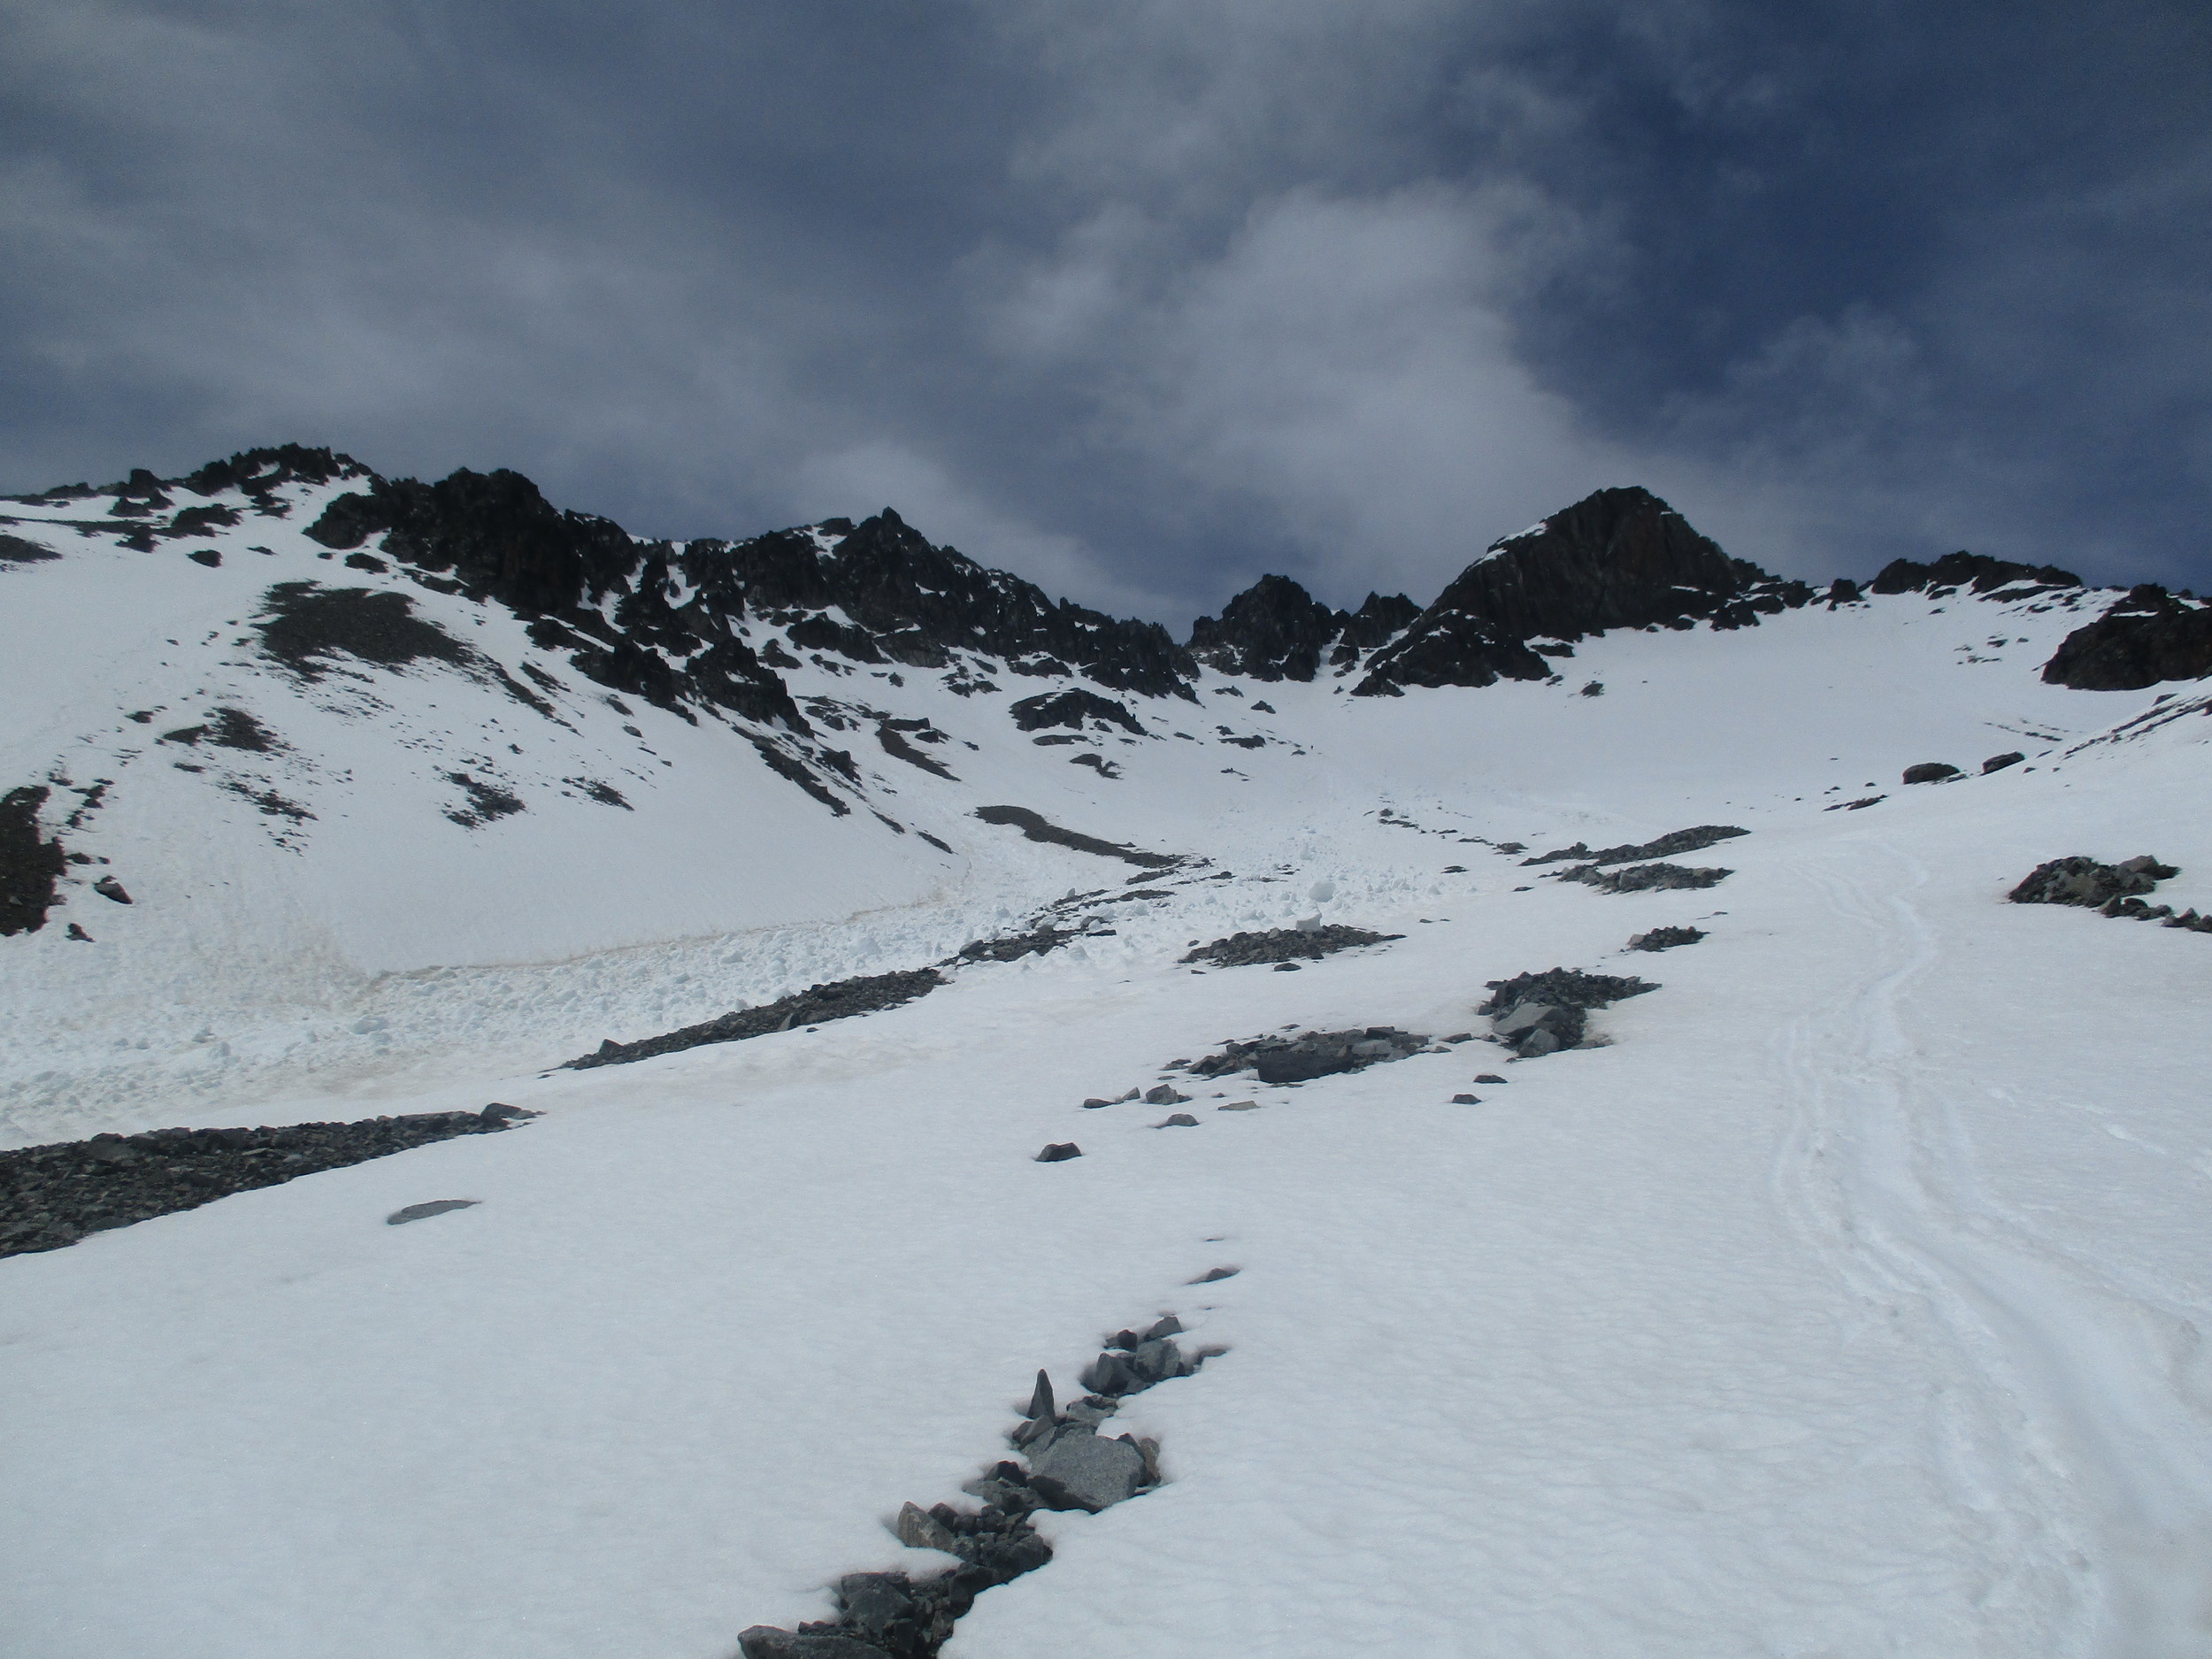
[1141, 300]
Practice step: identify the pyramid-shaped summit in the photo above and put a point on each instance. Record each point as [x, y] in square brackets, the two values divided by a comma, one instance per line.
[1619, 559]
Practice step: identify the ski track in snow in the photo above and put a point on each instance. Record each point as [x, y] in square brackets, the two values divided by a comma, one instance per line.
[2070, 1441]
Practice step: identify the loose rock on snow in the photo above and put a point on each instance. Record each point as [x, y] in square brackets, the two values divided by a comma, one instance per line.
[2110, 889]
[1285, 944]
[1666, 938]
[1646, 877]
[1311, 1054]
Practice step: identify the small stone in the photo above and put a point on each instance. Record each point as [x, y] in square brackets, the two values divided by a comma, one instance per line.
[1060, 1152]
[1240, 1106]
[206, 556]
[1466, 1100]
[1164, 1094]
[1041, 1397]
[1286, 967]
[918, 1529]
[1488, 1077]
[1213, 1275]
[1094, 1103]
[1177, 1121]
[109, 887]
[1168, 1325]
[1998, 762]
[1930, 772]
[1461, 1036]
[500, 1112]
[434, 1207]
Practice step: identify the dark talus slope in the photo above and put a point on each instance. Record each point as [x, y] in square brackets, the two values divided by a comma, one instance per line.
[1620, 558]
[588, 586]
[1276, 630]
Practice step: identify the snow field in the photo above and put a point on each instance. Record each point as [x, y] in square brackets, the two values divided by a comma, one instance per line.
[1848, 1304]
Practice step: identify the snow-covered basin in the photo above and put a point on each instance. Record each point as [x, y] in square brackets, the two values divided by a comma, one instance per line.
[1847, 1304]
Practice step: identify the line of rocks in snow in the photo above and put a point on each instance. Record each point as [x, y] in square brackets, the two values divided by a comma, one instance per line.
[1311, 1054]
[1071, 1464]
[1682, 840]
[817, 1005]
[53, 1195]
[2115, 890]
[1646, 877]
[1308, 942]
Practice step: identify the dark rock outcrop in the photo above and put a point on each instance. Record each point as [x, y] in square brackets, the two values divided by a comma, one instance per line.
[30, 863]
[1647, 877]
[1620, 558]
[2147, 637]
[53, 1195]
[1975, 571]
[2083, 881]
[1276, 630]
[1072, 708]
[1931, 771]
[912, 603]
[1666, 939]
[1311, 1054]
[1034, 826]
[1285, 944]
[816, 1005]
[1536, 1014]
[1998, 762]
[1681, 840]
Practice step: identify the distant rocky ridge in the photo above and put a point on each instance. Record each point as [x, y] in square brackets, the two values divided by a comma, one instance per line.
[674, 623]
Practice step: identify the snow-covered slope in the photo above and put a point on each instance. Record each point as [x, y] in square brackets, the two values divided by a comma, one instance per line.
[1844, 1299]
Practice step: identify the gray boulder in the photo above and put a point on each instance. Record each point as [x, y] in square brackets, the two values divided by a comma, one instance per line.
[1082, 1472]
[1930, 772]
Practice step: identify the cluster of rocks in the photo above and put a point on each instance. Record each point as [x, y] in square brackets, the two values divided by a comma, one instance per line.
[1682, 840]
[1013, 947]
[1537, 1014]
[1665, 938]
[1303, 943]
[53, 1195]
[2146, 637]
[2109, 890]
[1311, 1054]
[817, 1005]
[1070, 1465]
[1646, 877]
[1943, 771]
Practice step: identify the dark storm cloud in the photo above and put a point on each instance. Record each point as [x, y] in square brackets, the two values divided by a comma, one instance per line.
[1143, 299]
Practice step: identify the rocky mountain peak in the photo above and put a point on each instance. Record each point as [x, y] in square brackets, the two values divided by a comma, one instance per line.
[1276, 630]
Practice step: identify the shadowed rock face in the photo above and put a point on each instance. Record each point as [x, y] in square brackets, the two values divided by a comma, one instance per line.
[910, 602]
[1621, 558]
[1977, 570]
[1276, 630]
[2149, 636]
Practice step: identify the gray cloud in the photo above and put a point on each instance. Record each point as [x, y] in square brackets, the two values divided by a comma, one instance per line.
[1141, 300]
